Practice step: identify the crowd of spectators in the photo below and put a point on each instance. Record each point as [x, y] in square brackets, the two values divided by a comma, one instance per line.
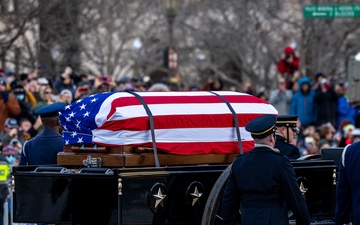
[326, 118]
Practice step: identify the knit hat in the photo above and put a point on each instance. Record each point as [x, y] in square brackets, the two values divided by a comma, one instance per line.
[288, 50]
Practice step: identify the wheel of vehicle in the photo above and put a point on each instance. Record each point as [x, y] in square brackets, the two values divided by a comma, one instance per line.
[212, 211]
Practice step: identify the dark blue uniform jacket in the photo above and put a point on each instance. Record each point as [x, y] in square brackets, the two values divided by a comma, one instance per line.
[285, 148]
[348, 187]
[262, 181]
[42, 149]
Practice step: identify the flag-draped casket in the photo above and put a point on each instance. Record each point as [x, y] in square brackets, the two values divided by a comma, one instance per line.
[183, 122]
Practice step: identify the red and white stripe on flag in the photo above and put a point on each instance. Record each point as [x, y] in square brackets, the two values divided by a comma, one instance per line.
[184, 122]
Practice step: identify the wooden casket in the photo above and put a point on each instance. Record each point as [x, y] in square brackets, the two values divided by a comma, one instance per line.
[119, 129]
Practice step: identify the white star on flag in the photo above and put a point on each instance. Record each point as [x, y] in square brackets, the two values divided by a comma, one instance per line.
[73, 134]
[72, 114]
[80, 140]
[82, 106]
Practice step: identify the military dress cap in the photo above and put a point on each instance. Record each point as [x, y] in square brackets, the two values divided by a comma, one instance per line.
[288, 121]
[261, 126]
[50, 110]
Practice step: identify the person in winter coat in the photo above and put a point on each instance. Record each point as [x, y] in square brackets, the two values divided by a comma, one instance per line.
[280, 97]
[9, 105]
[302, 103]
[326, 101]
[345, 109]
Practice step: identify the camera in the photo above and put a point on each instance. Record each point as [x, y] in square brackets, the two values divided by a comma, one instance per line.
[83, 89]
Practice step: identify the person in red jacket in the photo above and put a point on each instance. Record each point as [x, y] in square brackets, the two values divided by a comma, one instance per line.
[289, 63]
[288, 66]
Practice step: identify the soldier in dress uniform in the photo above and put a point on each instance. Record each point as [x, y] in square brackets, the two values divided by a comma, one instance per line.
[286, 130]
[263, 183]
[43, 148]
[348, 187]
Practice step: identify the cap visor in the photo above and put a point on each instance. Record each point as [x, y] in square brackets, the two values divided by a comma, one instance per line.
[295, 129]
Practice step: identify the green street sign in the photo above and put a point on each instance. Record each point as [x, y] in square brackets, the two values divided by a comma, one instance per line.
[331, 11]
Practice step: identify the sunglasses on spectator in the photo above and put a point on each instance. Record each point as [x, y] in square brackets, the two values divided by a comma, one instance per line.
[47, 92]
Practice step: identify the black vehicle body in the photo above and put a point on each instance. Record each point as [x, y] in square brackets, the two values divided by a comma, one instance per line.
[113, 196]
[146, 195]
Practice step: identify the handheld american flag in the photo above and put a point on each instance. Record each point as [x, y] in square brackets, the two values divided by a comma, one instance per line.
[184, 122]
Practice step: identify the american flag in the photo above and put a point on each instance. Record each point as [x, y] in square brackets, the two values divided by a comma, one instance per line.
[184, 122]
